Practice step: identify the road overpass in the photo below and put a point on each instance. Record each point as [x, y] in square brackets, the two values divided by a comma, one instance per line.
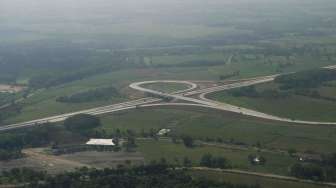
[191, 97]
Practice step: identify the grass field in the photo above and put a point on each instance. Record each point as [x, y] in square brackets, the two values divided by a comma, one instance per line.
[155, 150]
[204, 123]
[43, 103]
[166, 87]
[294, 106]
[178, 59]
[252, 180]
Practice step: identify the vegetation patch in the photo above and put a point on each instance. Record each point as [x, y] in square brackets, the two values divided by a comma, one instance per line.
[251, 180]
[82, 123]
[226, 127]
[91, 95]
[306, 79]
[166, 87]
[153, 175]
[290, 95]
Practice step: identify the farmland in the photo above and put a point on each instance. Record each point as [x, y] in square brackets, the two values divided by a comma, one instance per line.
[202, 124]
[62, 57]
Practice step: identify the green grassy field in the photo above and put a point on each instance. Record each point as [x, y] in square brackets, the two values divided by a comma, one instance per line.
[178, 59]
[43, 103]
[294, 106]
[204, 123]
[155, 150]
[166, 87]
[252, 180]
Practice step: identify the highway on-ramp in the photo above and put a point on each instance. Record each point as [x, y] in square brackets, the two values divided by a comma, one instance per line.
[202, 101]
[191, 97]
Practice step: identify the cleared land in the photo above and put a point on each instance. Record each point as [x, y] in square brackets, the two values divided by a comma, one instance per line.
[39, 159]
[10, 88]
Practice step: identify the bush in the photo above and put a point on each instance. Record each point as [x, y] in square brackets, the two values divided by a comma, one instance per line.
[308, 171]
[208, 160]
[10, 154]
[188, 141]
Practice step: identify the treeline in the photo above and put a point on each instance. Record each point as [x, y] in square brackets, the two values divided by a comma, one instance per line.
[91, 95]
[10, 110]
[324, 170]
[48, 80]
[10, 154]
[313, 94]
[154, 175]
[55, 62]
[12, 143]
[230, 75]
[195, 63]
[6, 98]
[306, 79]
[76, 128]
[215, 162]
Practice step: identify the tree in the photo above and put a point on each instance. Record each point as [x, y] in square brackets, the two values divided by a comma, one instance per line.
[188, 141]
[130, 144]
[206, 160]
[221, 162]
[187, 162]
[291, 151]
[174, 139]
[308, 171]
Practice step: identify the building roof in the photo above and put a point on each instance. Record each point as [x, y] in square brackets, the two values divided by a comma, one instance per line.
[163, 131]
[100, 142]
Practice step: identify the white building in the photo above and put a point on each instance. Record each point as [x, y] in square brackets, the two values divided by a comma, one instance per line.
[100, 142]
[163, 132]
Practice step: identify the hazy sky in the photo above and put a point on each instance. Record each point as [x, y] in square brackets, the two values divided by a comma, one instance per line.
[105, 16]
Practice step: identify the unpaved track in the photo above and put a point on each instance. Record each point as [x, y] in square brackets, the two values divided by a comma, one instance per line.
[265, 175]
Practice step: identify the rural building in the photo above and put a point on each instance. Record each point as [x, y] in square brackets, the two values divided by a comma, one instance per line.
[163, 132]
[100, 142]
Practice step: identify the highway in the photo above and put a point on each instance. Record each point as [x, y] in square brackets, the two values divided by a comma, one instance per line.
[94, 111]
[190, 97]
[202, 101]
[143, 102]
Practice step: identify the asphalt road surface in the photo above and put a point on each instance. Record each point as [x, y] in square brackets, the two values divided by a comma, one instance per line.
[190, 97]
